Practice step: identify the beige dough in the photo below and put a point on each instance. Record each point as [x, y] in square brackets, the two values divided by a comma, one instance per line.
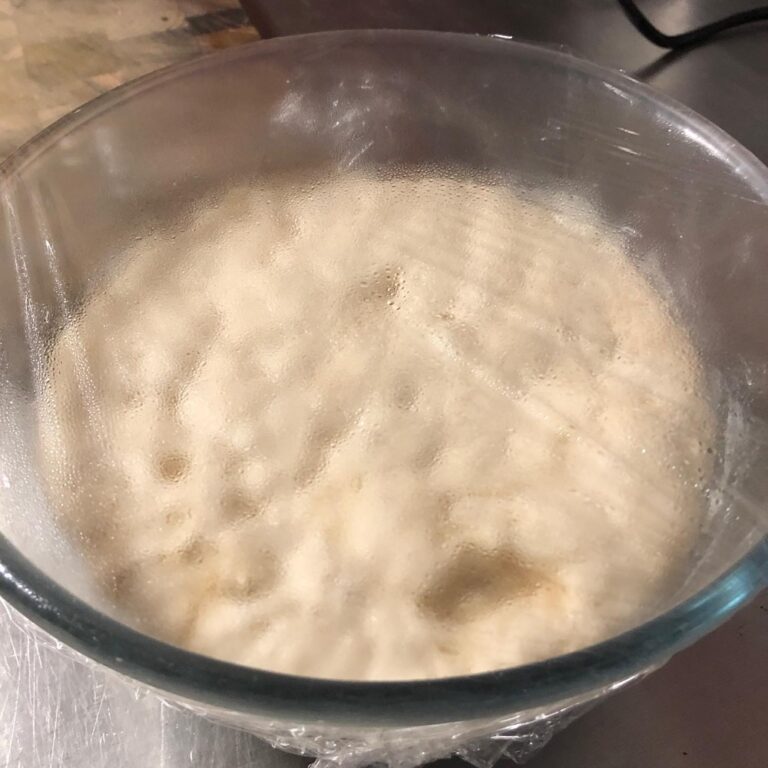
[379, 430]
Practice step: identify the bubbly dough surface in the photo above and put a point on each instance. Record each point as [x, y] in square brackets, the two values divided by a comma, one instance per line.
[378, 430]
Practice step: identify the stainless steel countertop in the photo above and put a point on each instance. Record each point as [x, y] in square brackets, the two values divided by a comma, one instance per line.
[708, 708]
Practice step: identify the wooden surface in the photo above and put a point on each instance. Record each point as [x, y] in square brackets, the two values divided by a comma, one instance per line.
[57, 54]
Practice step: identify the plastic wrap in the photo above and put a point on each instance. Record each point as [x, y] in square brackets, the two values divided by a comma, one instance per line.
[70, 207]
[59, 708]
[480, 743]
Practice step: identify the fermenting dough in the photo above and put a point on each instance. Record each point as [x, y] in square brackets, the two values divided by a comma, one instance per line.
[378, 429]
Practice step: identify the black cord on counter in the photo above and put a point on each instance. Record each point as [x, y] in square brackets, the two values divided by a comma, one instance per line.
[693, 36]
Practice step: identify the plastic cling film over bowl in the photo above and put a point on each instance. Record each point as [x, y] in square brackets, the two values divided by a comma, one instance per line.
[140, 173]
[110, 720]
[447, 433]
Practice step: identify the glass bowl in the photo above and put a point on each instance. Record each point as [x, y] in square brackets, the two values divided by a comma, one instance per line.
[133, 163]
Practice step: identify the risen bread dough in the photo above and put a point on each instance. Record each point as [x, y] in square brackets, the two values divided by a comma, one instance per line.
[378, 430]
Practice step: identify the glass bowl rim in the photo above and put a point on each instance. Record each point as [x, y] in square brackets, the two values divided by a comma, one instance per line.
[208, 681]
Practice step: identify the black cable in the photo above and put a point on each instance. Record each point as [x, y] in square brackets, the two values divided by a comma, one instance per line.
[693, 36]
